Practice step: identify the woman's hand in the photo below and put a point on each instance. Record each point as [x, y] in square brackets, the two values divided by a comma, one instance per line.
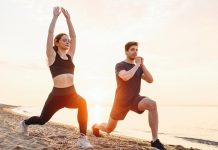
[65, 12]
[56, 11]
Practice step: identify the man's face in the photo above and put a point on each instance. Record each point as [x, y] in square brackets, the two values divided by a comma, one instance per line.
[132, 52]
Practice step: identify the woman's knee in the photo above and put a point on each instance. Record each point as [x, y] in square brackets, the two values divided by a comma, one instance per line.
[82, 103]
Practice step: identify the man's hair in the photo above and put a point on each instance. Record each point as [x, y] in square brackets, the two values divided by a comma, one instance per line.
[129, 44]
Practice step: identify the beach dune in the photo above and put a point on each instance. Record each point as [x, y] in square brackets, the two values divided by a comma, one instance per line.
[54, 136]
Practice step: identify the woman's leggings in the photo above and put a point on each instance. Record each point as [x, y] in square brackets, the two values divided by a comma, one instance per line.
[60, 98]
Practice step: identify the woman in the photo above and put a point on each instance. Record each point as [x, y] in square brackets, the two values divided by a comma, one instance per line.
[60, 62]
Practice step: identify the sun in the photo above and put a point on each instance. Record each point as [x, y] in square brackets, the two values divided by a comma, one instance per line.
[96, 96]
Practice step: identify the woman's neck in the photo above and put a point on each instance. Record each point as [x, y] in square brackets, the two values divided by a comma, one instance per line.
[61, 52]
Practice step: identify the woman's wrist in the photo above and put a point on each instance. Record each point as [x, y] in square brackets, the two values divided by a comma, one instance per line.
[68, 18]
[55, 16]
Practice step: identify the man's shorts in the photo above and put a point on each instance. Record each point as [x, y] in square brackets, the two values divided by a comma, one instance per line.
[120, 112]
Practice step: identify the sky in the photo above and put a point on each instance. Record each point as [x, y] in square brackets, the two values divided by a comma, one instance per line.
[177, 39]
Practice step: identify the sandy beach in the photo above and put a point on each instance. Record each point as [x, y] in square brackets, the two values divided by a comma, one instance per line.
[54, 136]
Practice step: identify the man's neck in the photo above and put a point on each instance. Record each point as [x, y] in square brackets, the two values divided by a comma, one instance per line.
[130, 61]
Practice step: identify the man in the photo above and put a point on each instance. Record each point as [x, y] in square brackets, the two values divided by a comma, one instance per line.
[128, 75]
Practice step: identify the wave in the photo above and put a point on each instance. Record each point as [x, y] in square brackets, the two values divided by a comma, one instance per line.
[202, 141]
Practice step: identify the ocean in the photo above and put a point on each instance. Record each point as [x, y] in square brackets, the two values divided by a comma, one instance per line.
[189, 126]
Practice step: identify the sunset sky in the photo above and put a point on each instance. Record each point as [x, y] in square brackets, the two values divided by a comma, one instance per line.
[177, 38]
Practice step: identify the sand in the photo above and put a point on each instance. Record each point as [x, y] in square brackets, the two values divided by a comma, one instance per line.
[54, 136]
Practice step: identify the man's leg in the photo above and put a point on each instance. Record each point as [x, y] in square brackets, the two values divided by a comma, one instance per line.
[107, 127]
[117, 113]
[151, 106]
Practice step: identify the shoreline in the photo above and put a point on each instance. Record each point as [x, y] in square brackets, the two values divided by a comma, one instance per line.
[54, 135]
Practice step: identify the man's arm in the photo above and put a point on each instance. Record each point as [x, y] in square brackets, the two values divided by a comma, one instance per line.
[126, 75]
[146, 74]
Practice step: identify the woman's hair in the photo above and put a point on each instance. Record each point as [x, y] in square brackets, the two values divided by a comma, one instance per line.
[57, 39]
[129, 44]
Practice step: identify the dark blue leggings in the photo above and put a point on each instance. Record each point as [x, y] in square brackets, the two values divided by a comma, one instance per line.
[60, 98]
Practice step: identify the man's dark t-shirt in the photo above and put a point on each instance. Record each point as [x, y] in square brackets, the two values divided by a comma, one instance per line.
[127, 90]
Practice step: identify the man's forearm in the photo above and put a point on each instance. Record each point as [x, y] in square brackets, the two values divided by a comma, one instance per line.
[129, 74]
[147, 75]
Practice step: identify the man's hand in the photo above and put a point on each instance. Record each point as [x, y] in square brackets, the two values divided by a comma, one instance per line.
[139, 60]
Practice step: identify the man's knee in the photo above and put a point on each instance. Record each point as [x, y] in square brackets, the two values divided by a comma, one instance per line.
[110, 128]
[147, 104]
[153, 105]
[111, 125]
[42, 121]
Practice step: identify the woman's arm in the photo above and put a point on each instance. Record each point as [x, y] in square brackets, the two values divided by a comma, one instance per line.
[49, 51]
[71, 33]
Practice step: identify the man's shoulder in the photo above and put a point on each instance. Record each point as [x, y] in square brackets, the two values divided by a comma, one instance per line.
[120, 63]
[120, 66]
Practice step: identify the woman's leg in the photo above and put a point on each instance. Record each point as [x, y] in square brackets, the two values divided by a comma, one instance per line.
[52, 105]
[76, 101]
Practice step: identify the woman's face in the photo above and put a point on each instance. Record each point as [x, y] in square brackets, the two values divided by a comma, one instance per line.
[63, 43]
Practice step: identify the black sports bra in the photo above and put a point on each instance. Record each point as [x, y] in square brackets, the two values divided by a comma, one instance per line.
[61, 66]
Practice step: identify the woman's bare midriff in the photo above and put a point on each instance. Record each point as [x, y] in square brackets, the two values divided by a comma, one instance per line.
[63, 80]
